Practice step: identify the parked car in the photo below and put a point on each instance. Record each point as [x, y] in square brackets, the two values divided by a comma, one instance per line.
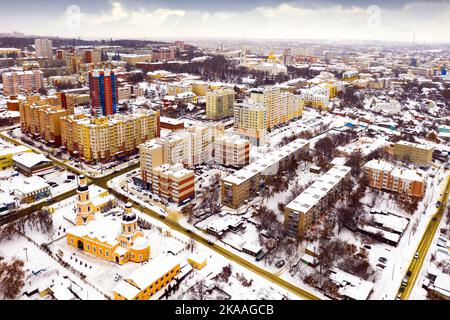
[280, 264]
[382, 259]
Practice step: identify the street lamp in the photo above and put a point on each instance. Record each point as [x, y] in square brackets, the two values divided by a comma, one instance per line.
[26, 253]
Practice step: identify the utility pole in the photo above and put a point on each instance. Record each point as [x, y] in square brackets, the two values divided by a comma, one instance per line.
[393, 269]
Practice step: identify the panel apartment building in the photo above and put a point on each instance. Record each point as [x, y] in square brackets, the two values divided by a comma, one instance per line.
[302, 212]
[238, 187]
[104, 138]
[385, 176]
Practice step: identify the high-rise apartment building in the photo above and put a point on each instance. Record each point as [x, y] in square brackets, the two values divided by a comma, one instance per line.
[42, 120]
[17, 82]
[192, 146]
[219, 103]
[250, 121]
[43, 48]
[104, 138]
[103, 89]
[282, 107]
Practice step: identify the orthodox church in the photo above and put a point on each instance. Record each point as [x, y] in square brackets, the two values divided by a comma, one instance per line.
[106, 238]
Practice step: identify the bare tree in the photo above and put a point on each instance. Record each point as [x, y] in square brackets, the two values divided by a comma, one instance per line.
[12, 277]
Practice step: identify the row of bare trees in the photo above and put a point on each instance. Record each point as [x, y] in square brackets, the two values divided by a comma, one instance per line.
[39, 220]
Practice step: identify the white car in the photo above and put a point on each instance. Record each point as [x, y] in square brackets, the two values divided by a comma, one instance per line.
[416, 256]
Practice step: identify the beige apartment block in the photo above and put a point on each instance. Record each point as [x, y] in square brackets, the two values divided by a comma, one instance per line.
[250, 121]
[173, 183]
[414, 152]
[219, 103]
[102, 138]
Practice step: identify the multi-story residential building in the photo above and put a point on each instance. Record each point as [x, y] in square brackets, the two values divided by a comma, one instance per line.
[103, 138]
[185, 98]
[103, 90]
[71, 100]
[250, 121]
[92, 56]
[134, 59]
[219, 103]
[385, 176]
[281, 107]
[350, 75]
[72, 59]
[387, 107]
[42, 119]
[231, 151]
[316, 97]
[191, 146]
[125, 92]
[43, 48]
[17, 82]
[302, 212]
[6, 51]
[413, 152]
[173, 183]
[178, 87]
[163, 54]
[238, 187]
[200, 87]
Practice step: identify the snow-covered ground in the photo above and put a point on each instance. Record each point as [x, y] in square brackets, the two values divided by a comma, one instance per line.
[10, 178]
[101, 275]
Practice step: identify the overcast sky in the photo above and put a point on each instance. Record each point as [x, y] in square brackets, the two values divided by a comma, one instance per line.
[323, 19]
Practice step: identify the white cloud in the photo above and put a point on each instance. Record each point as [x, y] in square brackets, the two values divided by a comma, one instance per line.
[429, 21]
